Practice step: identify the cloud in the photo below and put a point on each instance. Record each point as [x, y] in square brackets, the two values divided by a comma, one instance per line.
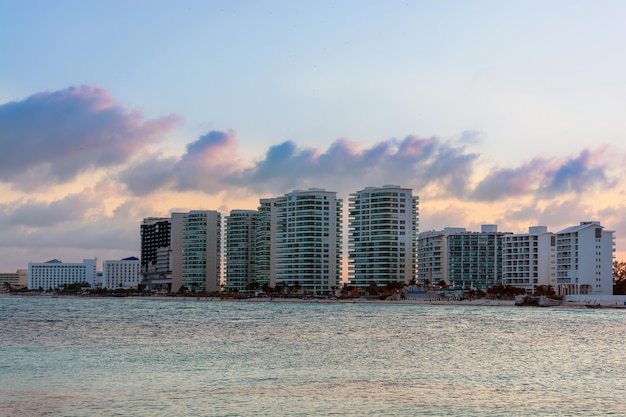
[577, 174]
[51, 137]
[547, 178]
[413, 161]
[202, 168]
[33, 213]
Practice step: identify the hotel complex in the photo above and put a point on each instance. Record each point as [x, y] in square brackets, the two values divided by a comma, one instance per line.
[383, 223]
[294, 243]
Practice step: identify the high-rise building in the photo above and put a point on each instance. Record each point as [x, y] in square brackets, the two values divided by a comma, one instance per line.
[202, 231]
[529, 259]
[240, 249]
[54, 274]
[584, 259]
[124, 273]
[308, 240]
[432, 255]
[265, 242]
[475, 258]
[383, 225]
[156, 253]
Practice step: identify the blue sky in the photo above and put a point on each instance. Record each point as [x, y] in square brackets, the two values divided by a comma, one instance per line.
[493, 111]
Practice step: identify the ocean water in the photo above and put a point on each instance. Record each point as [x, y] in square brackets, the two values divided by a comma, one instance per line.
[125, 357]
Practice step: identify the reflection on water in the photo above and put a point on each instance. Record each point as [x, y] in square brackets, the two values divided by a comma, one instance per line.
[103, 357]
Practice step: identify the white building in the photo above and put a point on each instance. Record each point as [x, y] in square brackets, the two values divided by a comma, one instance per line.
[383, 225]
[17, 279]
[121, 274]
[529, 259]
[584, 260]
[308, 240]
[240, 249]
[432, 259]
[54, 274]
[202, 250]
[265, 242]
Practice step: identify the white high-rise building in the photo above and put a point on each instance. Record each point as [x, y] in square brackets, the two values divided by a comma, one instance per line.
[54, 274]
[584, 260]
[202, 230]
[308, 240]
[121, 274]
[432, 251]
[529, 259]
[240, 249]
[265, 242]
[383, 224]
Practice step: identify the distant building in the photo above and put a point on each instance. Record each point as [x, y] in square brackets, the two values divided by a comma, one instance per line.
[383, 224]
[202, 250]
[54, 274]
[14, 280]
[121, 274]
[463, 260]
[308, 240]
[584, 260]
[265, 242]
[529, 259]
[432, 255]
[240, 249]
[156, 253]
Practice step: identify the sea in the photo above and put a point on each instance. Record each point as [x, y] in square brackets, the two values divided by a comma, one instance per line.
[146, 357]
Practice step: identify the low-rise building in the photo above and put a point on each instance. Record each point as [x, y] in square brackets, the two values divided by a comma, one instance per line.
[121, 274]
[55, 274]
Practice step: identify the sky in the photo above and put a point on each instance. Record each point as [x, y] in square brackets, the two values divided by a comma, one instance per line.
[493, 112]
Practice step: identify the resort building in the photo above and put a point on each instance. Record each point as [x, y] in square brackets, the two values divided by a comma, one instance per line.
[265, 242]
[529, 259]
[308, 241]
[240, 249]
[14, 280]
[122, 274]
[475, 258]
[156, 254]
[584, 260]
[383, 225]
[460, 259]
[55, 274]
[432, 255]
[202, 250]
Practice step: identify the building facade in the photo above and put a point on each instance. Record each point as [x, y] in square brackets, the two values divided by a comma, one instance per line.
[265, 242]
[156, 254]
[475, 259]
[529, 259]
[584, 260]
[14, 280]
[202, 250]
[309, 241]
[55, 274]
[121, 274]
[432, 255]
[240, 249]
[383, 226]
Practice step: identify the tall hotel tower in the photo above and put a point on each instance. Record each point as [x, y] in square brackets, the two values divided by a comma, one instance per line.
[240, 250]
[308, 240]
[156, 265]
[201, 260]
[383, 224]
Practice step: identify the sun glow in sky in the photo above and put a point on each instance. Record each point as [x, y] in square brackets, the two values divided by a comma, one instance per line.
[499, 112]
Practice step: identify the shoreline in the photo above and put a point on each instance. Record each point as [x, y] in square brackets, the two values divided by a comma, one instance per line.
[433, 302]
